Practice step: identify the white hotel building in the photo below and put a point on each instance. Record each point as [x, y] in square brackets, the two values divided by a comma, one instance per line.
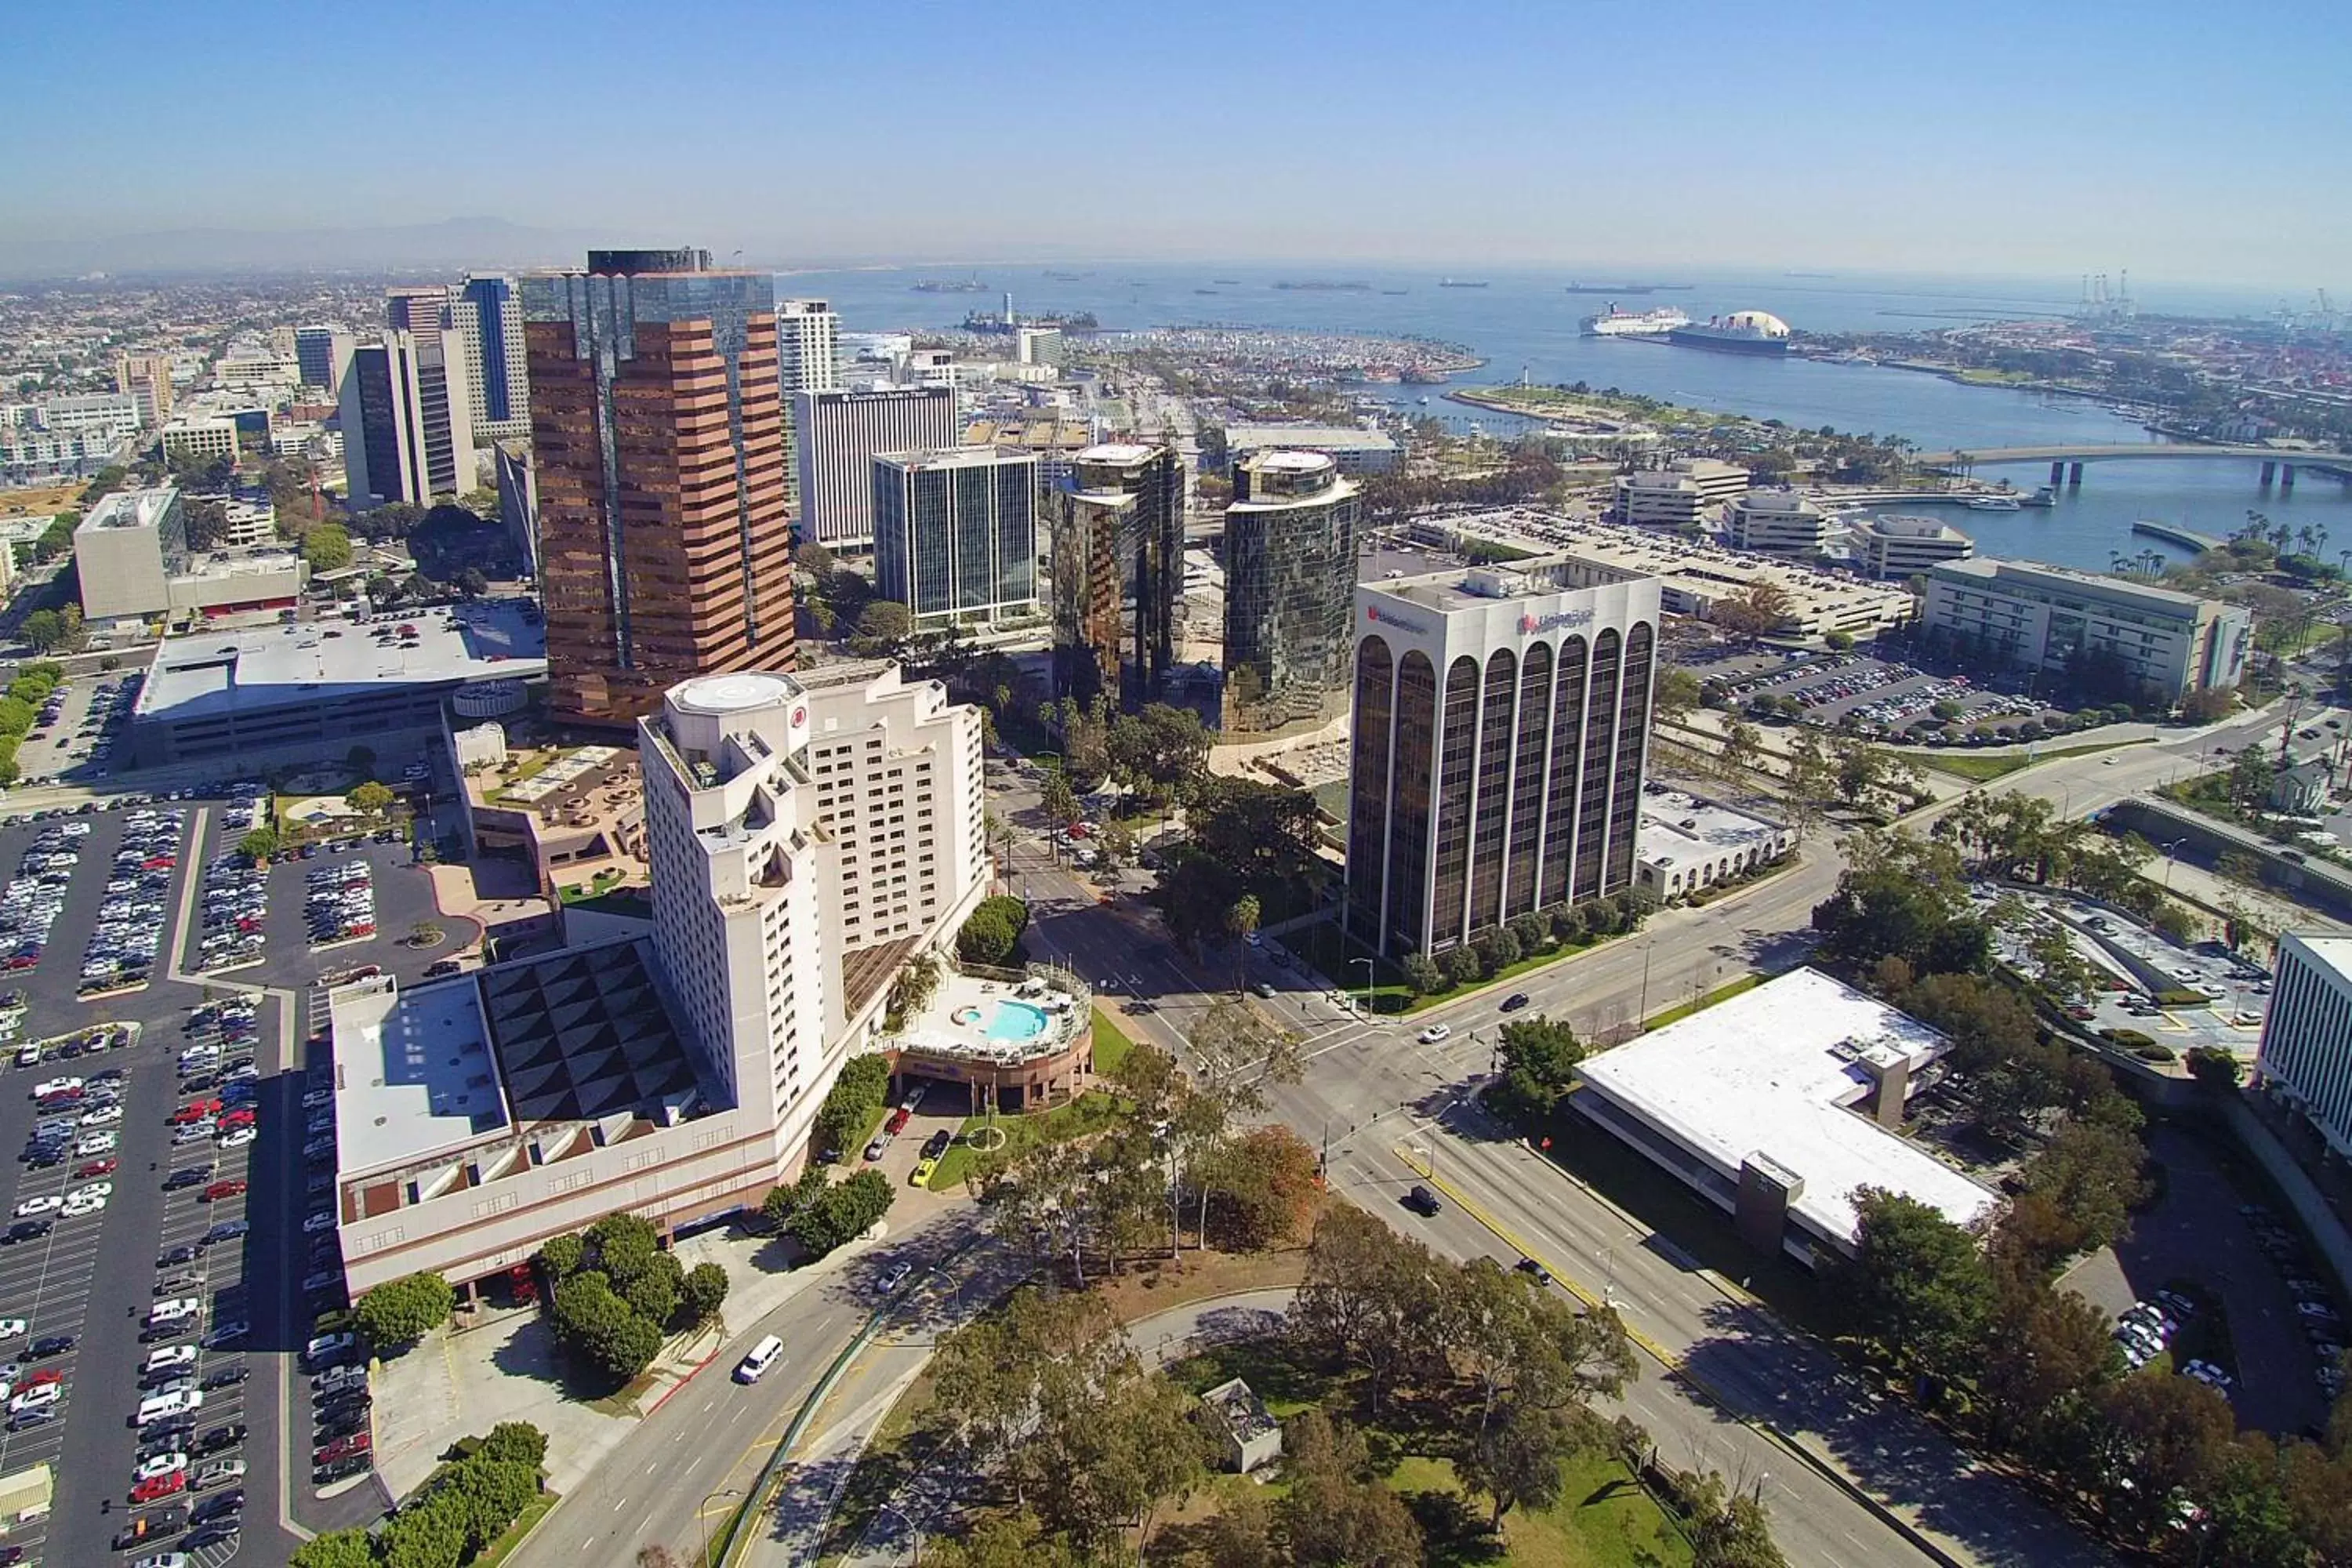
[840, 432]
[675, 1074]
[1502, 721]
[2305, 1057]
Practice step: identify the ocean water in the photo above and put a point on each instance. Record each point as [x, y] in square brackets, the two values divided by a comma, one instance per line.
[1523, 320]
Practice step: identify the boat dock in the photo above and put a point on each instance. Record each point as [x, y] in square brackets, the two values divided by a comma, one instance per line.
[2187, 538]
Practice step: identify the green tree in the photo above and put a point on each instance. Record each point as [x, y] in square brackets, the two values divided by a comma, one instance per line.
[886, 621]
[1422, 975]
[430, 1534]
[336, 1549]
[1675, 694]
[842, 1212]
[399, 1313]
[1241, 924]
[518, 1441]
[1336, 1514]
[371, 799]
[703, 1292]
[327, 547]
[1729, 1529]
[562, 1256]
[1918, 1288]
[259, 844]
[2213, 1067]
[1059, 800]
[992, 931]
[42, 630]
[488, 1496]
[1539, 1063]
[2166, 1435]
[783, 1201]
[853, 1104]
[2090, 1173]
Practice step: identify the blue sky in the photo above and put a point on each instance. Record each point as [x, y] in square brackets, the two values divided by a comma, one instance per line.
[2186, 142]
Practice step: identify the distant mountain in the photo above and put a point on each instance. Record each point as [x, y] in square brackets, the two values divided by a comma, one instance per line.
[455, 242]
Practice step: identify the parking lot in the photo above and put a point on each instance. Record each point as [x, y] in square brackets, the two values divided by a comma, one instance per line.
[198, 1191]
[78, 735]
[1871, 694]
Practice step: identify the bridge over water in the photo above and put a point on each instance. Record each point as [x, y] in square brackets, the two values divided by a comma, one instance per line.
[2066, 462]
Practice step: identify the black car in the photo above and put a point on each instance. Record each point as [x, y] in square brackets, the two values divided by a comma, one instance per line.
[1534, 1270]
[227, 1231]
[1515, 1001]
[175, 1257]
[199, 1082]
[226, 1377]
[219, 1503]
[193, 1176]
[341, 1424]
[172, 1428]
[1423, 1201]
[51, 1345]
[27, 1230]
[219, 1532]
[339, 1470]
[220, 1437]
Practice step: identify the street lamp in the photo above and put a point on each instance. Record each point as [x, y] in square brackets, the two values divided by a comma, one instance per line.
[2169, 851]
[703, 1517]
[911, 1529]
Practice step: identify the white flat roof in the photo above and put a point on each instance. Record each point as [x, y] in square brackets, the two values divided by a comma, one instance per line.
[266, 667]
[414, 1073]
[1768, 1073]
[1712, 829]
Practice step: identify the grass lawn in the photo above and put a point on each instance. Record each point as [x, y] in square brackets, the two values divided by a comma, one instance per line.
[1724, 993]
[1087, 1113]
[1603, 1518]
[1111, 1045]
[497, 1551]
[1981, 769]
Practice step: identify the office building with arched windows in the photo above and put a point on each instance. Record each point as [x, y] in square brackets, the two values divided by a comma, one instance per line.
[1502, 721]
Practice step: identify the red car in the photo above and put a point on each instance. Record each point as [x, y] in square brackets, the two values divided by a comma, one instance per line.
[220, 1190]
[96, 1168]
[170, 1484]
[897, 1122]
[195, 1110]
[236, 1118]
[343, 1449]
[47, 1374]
[63, 1099]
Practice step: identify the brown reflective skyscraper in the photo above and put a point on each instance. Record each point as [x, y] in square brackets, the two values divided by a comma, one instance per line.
[659, 442]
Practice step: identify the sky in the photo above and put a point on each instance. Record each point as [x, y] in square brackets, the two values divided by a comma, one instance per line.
[2185, 142]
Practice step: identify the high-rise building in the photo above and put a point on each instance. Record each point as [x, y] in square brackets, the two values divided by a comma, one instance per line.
[322, 353]
[955, 531]
[407, 419]
[502, 398]
[840, 432]
[1290, 587]
[1501, 731]
[2305, 1057]
[1039, 346]
[658, 438]
[1116, 529]
[899, 795]
[808, 359]
[148, 378]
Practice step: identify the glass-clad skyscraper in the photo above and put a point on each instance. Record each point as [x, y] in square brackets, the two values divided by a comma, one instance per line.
[658, 433]
[1117, 524]
[955, 531]
[1290, 585]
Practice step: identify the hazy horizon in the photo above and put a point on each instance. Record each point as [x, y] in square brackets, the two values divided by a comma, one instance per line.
[2022, 141]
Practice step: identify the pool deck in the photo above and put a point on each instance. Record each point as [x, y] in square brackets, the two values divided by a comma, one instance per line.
[937, 1030]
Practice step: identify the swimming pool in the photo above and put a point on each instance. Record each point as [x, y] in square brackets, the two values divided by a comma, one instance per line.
[1016, 1021]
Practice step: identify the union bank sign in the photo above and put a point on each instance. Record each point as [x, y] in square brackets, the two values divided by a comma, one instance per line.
[1559, 620]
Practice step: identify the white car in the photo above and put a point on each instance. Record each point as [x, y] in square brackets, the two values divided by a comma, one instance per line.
[158, 1407]
[82, 1208]
[160, 1465]
[34, 1398]
[90, 1144]
[47, 1202]
[48, 1086]
[10, 1328]
[104, 1116]
[172, 1311]
[1435, 1033]
[170, 1356]
[94, 1190]
[237, 1137]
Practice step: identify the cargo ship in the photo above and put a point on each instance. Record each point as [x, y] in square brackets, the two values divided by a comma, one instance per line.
[1613, 322]
[1461, 283]
[1740, 332]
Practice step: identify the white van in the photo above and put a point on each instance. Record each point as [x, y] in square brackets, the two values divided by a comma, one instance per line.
[156, 1406]
[764, 1354]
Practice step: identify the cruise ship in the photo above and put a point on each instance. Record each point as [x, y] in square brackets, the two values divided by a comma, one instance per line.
[1613, 322]
[1740, 332]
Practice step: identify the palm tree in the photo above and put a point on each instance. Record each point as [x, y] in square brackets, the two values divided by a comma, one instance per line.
[1241, 921]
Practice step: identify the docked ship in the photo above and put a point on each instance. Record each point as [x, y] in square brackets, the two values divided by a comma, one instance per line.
[1613, 322]
[1740, 332]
